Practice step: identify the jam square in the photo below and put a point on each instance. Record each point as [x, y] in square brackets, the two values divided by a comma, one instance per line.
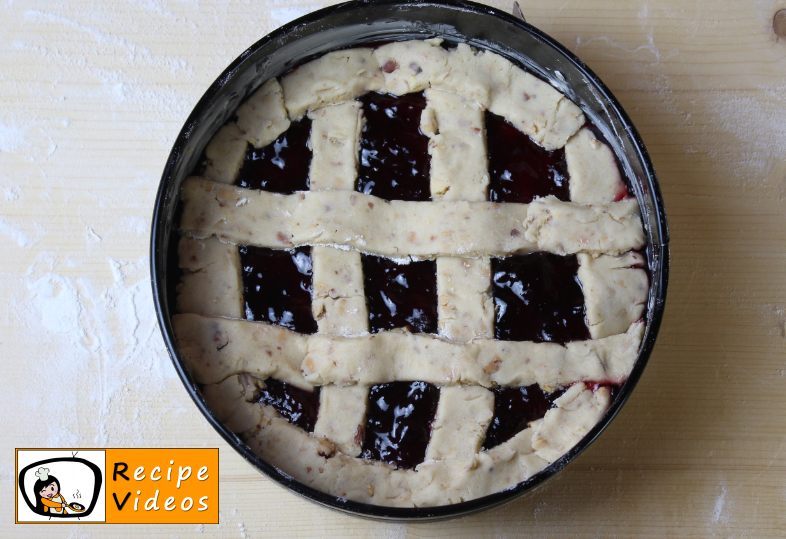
[394, 160]
[538, 298]
[514, 409]
[277, 287]
[401, 295]
[298, 406]
[519, 169]
[398, 424]
[282, 166]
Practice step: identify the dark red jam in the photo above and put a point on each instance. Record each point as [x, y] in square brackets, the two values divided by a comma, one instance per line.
[277, 287]
[514, 408]
[519, 169]
[538, 298]
[298, 406]
[280, 167]
[398, 422]
[401, 295]
[394, 160]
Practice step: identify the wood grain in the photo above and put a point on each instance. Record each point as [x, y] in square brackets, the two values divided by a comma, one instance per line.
[92, 96]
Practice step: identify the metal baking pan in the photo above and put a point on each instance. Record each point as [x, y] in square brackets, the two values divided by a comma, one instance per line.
[352, 24]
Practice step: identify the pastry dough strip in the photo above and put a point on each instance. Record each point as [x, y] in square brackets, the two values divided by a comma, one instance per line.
[403, 228]
[216, 348]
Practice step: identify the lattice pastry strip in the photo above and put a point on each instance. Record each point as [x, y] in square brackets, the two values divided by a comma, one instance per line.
[262, 118]
[216, 348]
[225, 154]
[334, 78]
[594, 175]
[342, 417]
[566, 228]
[399, 228]
[459, 171]
[457, 146]
[411, 66]
[211, 282]
[230, 401]
[459, 428]
[335, 143]
[574, 414]
[339, 302]
[615, 291]
[465, 305]
[615, 287]
[340, 309]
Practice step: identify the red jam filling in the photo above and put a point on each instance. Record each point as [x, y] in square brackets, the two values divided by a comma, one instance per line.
[519, 169]
[277, 287]
[398, 422]
[401, 295]
[538, 298]
[282, 166]
[394, 160]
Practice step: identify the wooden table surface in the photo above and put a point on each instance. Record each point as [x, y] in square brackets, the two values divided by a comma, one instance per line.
[92, 96]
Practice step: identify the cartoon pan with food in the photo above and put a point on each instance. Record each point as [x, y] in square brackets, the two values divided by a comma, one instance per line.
[49, 499]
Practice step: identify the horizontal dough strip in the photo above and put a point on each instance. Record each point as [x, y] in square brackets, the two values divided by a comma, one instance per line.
[403, 228]
[317, 462]
[217, 348]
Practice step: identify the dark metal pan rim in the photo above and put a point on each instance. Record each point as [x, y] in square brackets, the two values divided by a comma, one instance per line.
[648, 191]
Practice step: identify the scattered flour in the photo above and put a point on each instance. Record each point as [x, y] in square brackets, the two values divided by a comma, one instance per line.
[720, 501]
[16, 235]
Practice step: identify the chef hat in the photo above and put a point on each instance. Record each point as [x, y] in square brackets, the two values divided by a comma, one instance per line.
[42, 473]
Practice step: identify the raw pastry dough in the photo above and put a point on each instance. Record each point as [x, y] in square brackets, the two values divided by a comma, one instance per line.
[211, 283]
[215, 348]
[399, 228]
[225, 154]
[465, 306]
[342, 417]
[566, 228]
[411, 66]
[594, 175]
[615, 291]
[459, 428]
[339, 300]
[335, 143]
[457, 146]
[574, 415]
[263, 118]
[334, 78]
